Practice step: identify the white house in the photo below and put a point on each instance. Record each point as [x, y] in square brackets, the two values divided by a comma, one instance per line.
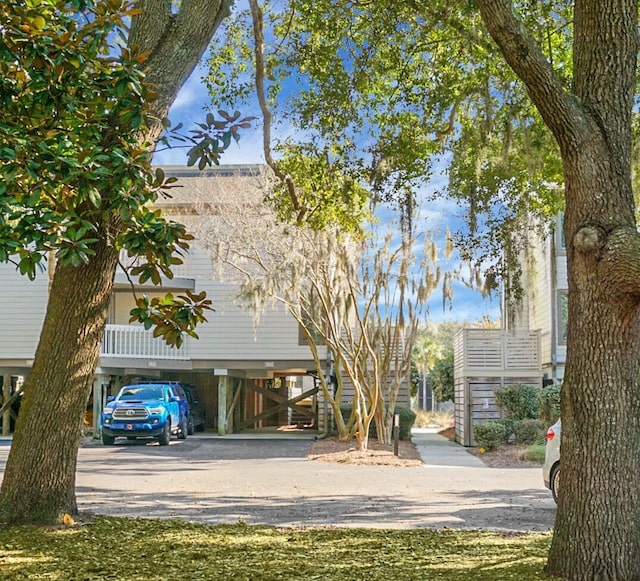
[243, 373]
[544, 305]
[246, 375]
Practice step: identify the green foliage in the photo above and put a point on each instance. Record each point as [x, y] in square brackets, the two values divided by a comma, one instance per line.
[212, 137]
[240, 552]
[508, 429]
[407, 419]
[415, 379]
[490, 434]
[441, 378]
[518, 401]
[327, 190]
[172, 317]
[531, 431]
[392, 86]
[75, 170]
[549, 403]
[71, 114]
[433, 355]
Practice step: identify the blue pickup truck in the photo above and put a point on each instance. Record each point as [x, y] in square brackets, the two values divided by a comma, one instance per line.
[146, 410]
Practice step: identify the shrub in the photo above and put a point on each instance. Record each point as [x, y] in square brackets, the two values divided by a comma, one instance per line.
[490, 434]
[518, 401]
[508, 428]
[407, 418]
[529, 431]
[549, 403]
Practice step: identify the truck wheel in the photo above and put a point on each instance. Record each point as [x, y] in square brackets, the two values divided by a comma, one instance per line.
[182, 430]
[165, 437]
[108, 440]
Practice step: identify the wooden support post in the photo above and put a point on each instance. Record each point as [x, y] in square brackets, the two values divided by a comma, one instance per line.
[230, 412]
[6, 394]
[223, 381]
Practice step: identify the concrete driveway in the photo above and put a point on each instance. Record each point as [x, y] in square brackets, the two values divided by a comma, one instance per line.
[269, 481]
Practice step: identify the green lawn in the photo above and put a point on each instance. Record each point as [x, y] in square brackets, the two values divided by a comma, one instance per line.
[128, 549]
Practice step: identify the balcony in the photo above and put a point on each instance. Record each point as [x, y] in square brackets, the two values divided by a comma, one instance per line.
[134, 342]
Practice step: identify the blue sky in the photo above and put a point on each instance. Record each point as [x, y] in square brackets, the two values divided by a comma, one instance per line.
[189, 108]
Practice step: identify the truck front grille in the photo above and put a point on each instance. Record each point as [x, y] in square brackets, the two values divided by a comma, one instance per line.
[130, 413]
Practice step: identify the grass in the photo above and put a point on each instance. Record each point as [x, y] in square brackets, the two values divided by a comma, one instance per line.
[535, 453]
[425, 419]
[141, 549]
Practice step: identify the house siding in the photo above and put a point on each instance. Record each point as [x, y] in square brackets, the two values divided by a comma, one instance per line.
[21, 312]
[544, 267]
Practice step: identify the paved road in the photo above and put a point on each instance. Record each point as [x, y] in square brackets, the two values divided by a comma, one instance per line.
[265, 481]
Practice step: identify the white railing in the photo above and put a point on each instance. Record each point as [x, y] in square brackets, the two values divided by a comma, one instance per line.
[134, 342]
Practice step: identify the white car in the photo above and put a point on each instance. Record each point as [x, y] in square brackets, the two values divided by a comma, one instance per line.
[551, 467]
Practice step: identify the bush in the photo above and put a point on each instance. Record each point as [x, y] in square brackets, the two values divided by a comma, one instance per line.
[508, 429]
[549, 403]
[407, 418]
[490, 434]
[518, 401]
[529, 431]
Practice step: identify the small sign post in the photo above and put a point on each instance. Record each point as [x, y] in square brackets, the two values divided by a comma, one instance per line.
[396, 433]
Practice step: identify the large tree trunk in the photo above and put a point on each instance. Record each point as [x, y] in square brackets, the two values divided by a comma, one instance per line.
[39, 480]
[597, 531]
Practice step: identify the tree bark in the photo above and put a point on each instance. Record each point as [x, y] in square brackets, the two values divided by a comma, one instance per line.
[597, 529]
[39, 480]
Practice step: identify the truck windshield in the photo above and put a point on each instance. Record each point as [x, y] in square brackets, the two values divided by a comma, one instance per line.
[141, 393]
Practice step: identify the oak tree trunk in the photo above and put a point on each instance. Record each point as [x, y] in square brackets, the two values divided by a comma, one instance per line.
[39, 480]
[597, 529]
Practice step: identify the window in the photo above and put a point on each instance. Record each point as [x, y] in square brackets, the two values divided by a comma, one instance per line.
[562, 316]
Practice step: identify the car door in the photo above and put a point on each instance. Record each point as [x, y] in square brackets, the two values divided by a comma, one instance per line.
[173, 405]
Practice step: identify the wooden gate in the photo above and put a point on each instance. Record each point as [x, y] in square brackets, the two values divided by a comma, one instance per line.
[282, 403]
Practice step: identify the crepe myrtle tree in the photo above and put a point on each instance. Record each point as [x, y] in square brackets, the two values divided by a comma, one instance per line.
[421, 78]
[83, 98]
[359, 297]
